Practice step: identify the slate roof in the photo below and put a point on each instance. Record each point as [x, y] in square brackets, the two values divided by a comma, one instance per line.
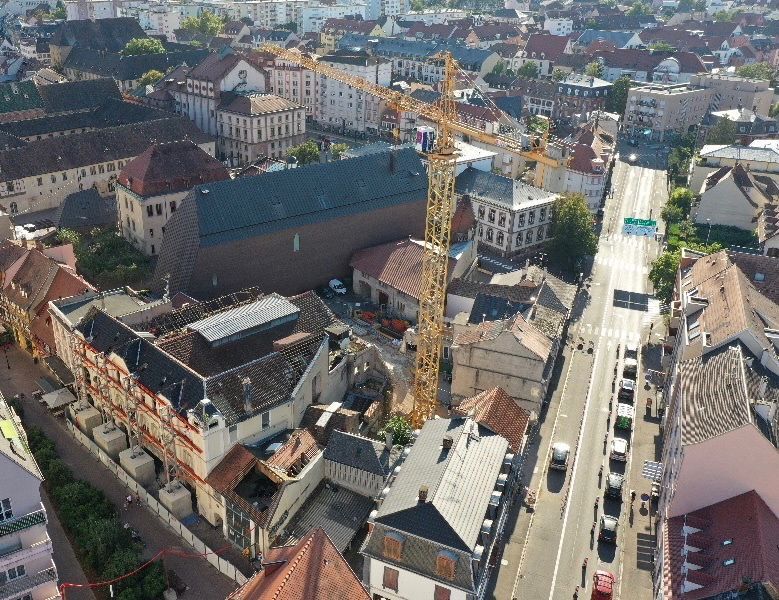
[312, 568]
[74, 96]
[618, 38]
[298, 450]
[128, 68]
[86, 209]
[471, 289]
[752, 528]
[110, 35]
[18, 97]
[215, 65]
[171, 167]
[255, 104]
[489, 307]
[469, 59]
[468, 470]
[489, 186]
[524, 332]
[77, 150]
[496, 410]
[358, 452]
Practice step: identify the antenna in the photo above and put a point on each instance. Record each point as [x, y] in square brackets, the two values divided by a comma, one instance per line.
[166, 293]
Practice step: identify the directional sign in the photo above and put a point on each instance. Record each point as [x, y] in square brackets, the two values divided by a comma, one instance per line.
[640, 222]
[642, 227]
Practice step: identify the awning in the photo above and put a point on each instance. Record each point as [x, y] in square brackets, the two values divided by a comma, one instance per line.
[653, 471]
[58, 398]
[57, 366]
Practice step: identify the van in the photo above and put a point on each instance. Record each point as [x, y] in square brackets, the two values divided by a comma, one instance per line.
[625, 415]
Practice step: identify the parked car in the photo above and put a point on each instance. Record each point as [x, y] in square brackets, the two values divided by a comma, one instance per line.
[325, 292]
[630, 368]
[631, 351]
[619, 449]
[603, 584]
[608, 529]
[559, 456]
[614, 483]
[337, 286]
[627, 390]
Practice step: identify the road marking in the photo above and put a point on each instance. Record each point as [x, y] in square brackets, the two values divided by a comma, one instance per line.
[562, 416]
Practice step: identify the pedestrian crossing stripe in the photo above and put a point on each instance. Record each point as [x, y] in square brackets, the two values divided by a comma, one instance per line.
[622, 335]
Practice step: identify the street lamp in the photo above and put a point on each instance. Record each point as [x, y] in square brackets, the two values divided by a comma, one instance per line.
[708, 233]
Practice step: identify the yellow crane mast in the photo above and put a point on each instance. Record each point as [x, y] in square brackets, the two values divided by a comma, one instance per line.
[440, 205]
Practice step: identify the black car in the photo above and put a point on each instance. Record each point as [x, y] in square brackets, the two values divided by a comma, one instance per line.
[608, 529]
[325, 292]
[614, 486]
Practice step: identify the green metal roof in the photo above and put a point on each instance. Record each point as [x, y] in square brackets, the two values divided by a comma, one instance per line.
[25, 522]
[16, 97]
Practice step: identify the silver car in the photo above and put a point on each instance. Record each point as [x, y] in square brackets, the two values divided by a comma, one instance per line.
[619, 449]
[559, 456]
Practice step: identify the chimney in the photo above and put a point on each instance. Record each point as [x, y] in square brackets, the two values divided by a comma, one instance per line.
[447, 443]
[247, 394]
[423, 493]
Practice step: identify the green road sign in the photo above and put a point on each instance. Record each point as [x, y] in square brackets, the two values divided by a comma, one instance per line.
[640, 222]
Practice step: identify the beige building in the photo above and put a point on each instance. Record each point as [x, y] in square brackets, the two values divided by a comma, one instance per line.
[152, 185]
[730, 91]
[659, 111]
[509, 353]
[255, 125]
[27, 570]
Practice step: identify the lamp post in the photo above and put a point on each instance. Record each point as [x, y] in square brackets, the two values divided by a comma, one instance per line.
[708, 233]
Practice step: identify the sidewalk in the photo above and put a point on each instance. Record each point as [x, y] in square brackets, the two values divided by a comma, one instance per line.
[204, 581]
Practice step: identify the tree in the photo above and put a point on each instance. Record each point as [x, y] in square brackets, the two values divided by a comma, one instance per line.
[305, 153]
[138, 46]
[207, 24]
[672, 214]
[618, 97]
[727, 16]
[761, 70]
[594, 69]
[59, 12]
[662, 46]
[572, 233]
[723, 132]
[337, 150]
[107, 259]
[559, 75]
[682, 198]
[150, 77]
[291, 26]
[529, 70]
[663, 275]
[400, 429]
[640, 8]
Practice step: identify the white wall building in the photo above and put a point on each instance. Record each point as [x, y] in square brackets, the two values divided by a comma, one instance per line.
[27, 570]
[558, 26]
[357, 463]
[313, 17]
[93, 10]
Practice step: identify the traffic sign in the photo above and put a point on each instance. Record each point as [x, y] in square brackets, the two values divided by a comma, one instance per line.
[640, 222]
[642, 227]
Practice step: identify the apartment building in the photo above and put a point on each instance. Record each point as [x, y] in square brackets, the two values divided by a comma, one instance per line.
[90, 9]
[256, 125]
[730, 92]
[312, 17]
[151, 186]
[511, 216]
[345, 108]
[27, 569]
[296, 84]
[411, 59]
[558, 25]
[659, 112]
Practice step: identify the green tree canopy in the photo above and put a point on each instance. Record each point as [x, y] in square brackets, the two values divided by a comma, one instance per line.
[723, 132]
[573, 236]
[678, 206]
[138, 46]
[662, 46]
[594, 69]
[528, 70]
[727, 16]
[150, 77]
[206, 23]
[558, 75]
[617, 99]
[305, 153]
[663, 275]
[640, 8]
[59, 12]
[338, 149]
[400, 429]
[761, 70]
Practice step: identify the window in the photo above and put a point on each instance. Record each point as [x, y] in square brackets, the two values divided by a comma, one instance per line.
[172, 206]
[445, 564]
[502, 219]
[390, 579]
[540, 234]
[529, 237]
[442, 593]
[151, 233]
[481, 231]
[531, 217]
[296, 243]
[93, 170]
[519, 239]
[5, 510]
[158, 208]
[393, 546]
[153, 250]
[53, 178]
[521, 220]
[542, 215]
[490, 235]
[150, 210]
[40, 181]
[101, 169]
[491, 215]
[266, 419]
[500, 238]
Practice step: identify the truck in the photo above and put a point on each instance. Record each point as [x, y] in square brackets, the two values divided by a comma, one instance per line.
[625, 416]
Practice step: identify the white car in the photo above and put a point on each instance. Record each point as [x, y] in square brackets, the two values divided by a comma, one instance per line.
[619, 449]
[558, 458]
[337, 286]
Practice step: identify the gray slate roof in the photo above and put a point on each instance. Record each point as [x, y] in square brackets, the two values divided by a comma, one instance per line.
[482, 184]
[358, 452]
[127, 68]
[251, 206]
[70, 96]
[86, 209]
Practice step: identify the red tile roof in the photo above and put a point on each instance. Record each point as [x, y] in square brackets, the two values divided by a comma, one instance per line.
[396, 264]
[496, 410]
[463, 219]
[646, 60]
[349, 26]
[313, 569]
[296, 452]
[171, 167]
[551, 46]
[752, 530]
[581, 159]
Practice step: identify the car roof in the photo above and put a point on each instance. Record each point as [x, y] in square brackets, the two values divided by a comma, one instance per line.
[608, 521]
[617, 442]
[628, 382]
[617, 476]
[560, 446]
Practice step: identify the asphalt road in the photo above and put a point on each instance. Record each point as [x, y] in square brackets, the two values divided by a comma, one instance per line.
[617, 309]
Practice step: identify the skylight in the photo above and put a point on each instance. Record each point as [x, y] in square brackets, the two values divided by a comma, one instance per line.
[759, 276]
[727, 542]
[728, 562]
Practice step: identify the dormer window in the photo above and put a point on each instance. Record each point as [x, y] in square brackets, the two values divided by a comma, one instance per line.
[393, 546]
[445, 564]
[727, 542]
[728, 562]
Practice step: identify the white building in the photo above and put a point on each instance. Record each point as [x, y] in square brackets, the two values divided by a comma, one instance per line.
[313, 17]
[20, 7]
[223, 71]
[558, 26]
[344, 108]
[512, 217]
[295, 83]
[435, 16]
[27, 570]
[81, 10]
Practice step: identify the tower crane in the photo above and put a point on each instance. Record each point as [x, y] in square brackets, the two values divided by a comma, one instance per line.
[440, 204]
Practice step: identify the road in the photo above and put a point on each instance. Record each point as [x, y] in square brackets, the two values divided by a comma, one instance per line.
[615, 309]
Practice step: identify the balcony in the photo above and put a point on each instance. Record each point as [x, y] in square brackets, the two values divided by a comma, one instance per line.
[24, 522]
[22, 585]
[21, 552]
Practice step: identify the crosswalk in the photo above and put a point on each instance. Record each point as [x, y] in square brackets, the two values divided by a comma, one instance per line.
[652, 312]
[620, 264]
[590, 331]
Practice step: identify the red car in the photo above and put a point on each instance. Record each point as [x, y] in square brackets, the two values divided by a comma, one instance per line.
[603, 585]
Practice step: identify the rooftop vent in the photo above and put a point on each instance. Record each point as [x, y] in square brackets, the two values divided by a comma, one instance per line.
[423, 493]
[447, 443]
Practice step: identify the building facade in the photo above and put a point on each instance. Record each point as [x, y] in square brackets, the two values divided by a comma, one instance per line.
[658, 112]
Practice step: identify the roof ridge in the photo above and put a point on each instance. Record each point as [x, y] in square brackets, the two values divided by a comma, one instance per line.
[294, 564]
